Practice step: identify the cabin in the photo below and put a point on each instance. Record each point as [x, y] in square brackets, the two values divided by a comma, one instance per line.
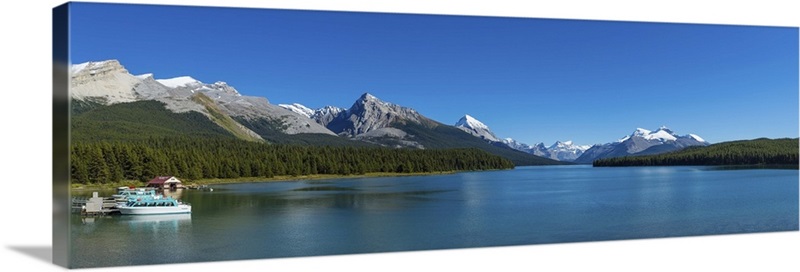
[165, 182]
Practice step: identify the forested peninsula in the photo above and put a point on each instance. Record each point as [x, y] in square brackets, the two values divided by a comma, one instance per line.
[760, 151]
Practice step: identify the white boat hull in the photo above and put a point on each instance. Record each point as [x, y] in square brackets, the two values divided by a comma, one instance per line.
[182, 208]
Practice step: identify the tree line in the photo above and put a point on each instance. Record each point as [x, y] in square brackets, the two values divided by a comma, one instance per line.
[197, 158]
[748, 152]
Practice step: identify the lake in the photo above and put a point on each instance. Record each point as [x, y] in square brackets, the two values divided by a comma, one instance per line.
[527, 205]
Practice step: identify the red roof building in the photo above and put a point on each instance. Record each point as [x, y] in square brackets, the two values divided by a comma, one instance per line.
[165, 182]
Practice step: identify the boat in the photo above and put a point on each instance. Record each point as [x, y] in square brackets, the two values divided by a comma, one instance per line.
[205, 188]
[154, 205]
[125, 194]
[200, 188]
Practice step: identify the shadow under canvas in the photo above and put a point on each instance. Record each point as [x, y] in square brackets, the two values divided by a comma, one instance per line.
[42, 253]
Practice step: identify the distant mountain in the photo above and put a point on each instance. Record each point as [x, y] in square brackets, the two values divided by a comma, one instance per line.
[325, 115]
[561, 151]
[642, 142]
[472, 126]
[322, 116]
[758, 152]
[566, 151]
[538, 150]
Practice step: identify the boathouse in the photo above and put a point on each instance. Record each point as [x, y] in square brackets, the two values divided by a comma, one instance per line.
[165, 182]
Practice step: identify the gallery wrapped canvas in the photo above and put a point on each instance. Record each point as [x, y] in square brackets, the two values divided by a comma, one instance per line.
[196, 134]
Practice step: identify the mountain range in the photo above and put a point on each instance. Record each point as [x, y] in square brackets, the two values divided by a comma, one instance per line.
[107, 87]
[642, 142]
[368, 121]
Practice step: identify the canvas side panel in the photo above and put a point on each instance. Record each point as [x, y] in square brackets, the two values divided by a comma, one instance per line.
[61, 208]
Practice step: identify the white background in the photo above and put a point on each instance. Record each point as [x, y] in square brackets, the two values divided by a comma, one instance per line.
[25, 96]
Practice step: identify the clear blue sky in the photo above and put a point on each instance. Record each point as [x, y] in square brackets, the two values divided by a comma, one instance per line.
[534, 80]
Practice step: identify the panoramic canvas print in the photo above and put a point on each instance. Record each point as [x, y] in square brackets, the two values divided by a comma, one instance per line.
[209, 134]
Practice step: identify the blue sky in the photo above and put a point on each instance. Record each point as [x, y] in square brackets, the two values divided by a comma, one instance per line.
[534, 80]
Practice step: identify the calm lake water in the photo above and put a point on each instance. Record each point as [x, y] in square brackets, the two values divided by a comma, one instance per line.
[527, 205]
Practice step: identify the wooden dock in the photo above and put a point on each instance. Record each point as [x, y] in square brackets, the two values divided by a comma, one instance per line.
[94, 206]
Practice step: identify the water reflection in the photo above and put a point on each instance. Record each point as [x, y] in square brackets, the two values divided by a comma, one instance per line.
[157, 222]
[342, 196]
[176, 194]
[750, 167]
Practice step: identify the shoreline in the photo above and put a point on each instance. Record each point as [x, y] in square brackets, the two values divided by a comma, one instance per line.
[287, 178]
[310, 177]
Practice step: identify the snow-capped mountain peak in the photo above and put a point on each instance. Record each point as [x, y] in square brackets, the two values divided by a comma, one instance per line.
[77, 68]
[470, 122]
[326, 114]
[328, 110]
[368, 96]
[565, 151]
[182, 81]
[472, 126]
[561, 144]
[661, 135]
[696, 138]
[223, 87]
[90, 65]
[640, 132]
[106, 79]
[643, 142]
[568, 146]
[369, 113]
[298, 108]
[562, 151]
[537, 149]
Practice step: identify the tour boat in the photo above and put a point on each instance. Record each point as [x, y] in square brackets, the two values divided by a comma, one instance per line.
[124, 194]
[151, 205]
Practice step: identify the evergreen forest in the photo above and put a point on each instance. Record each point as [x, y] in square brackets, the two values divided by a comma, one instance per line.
[99, 162]
[760, 151]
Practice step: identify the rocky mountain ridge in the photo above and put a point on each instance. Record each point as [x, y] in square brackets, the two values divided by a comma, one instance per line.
[108, 82]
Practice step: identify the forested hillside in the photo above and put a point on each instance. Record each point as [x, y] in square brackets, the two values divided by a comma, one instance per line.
[138, 120]
[748, 152]
[441, 137]
[196, 158]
